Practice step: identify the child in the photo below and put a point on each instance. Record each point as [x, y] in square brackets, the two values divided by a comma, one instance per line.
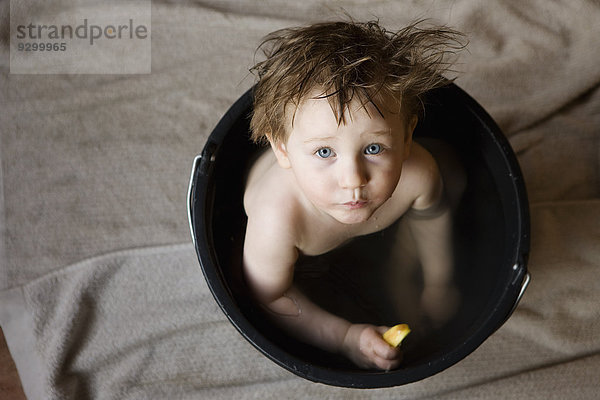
[338, 103]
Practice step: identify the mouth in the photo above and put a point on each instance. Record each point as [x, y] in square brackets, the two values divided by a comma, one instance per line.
[354, 205]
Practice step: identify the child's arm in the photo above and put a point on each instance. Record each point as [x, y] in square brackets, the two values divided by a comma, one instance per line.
[430, 222]
[269, 258]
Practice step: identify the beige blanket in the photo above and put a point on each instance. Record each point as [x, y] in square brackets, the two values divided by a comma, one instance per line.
[100, 291]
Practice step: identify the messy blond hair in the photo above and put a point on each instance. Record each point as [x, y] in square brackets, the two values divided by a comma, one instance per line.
[343, 60]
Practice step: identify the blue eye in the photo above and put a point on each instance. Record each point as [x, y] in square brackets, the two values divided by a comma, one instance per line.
[373, 149]
[324, 152]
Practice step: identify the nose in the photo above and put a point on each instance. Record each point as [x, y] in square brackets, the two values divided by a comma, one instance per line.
[352, 174]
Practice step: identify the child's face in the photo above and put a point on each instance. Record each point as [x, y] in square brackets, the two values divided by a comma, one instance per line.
[346, 171]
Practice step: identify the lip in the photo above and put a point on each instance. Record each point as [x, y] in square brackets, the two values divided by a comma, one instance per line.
[354, 205]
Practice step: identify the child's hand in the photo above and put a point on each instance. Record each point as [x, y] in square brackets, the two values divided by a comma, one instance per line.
[440, 303]
[364, 345]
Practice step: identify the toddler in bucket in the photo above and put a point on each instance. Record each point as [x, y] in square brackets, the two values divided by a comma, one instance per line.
[337, 103]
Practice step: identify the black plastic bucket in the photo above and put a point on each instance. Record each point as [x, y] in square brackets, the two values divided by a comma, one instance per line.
[491, 231]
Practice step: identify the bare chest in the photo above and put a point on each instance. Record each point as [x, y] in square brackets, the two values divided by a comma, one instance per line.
[321, 237]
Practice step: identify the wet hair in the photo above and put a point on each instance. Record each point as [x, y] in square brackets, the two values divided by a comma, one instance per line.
[342, 60]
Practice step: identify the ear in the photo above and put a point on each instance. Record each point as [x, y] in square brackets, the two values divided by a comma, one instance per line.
[281, 154]
[410, 128]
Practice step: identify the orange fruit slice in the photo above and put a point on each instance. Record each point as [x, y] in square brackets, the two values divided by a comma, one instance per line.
[396, 334]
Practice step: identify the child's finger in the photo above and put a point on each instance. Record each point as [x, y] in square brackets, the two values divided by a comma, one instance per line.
[380, 347]
[385, 351]
[386, 364]
[382, 329]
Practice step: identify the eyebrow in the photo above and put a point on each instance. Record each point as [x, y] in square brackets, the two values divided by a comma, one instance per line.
[383, 132]
[319, 139]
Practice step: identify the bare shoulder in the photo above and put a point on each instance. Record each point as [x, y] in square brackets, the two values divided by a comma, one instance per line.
[270, 245]
[257, 174]
[273, 212]
[421, 179]
[269, 197]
